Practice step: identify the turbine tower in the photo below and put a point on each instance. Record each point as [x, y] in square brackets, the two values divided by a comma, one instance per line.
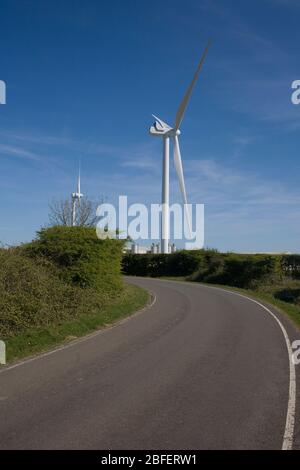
[76, 199]
[161, 129]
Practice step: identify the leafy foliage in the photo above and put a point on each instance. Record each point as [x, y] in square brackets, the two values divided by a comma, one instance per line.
[237, 270]
[180, 263]
[66, 272]
[31, 294]
[81, 257]
[206, 266]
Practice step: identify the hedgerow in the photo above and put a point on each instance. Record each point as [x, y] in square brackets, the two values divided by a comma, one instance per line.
[65, 272]
[210, 266]
[81, 257]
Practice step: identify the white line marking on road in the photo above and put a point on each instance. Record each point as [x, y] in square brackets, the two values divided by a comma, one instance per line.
[80, 340]
[290, 417]
[291, 410]
[288, 436]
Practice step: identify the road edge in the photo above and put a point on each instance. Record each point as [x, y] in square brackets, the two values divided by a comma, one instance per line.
[74, 342]
[288, 437]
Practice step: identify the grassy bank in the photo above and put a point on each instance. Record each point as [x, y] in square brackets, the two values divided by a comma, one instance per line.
[64, 284]
[37, 340]
[274, 278]
[292, 310]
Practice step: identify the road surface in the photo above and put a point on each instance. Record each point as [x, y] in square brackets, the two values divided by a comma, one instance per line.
[201, 368]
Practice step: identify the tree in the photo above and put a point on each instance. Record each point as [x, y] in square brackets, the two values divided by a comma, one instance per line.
[60, 212]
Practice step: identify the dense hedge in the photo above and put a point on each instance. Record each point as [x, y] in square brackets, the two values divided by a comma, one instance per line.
[65, 272]
[245, 271]
[81, 257]
[181, 263]
[31, 294]
[208, 266]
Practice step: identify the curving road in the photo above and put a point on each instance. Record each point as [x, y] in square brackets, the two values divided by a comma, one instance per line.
[201, 368]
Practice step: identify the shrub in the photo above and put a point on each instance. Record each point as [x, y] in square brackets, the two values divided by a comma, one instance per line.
[183, 263]
[289, 294]
[208, 266]
[180, 263]
[246, 271]
[82, 259]
[31, 294]
[237, 270]
[211, 265]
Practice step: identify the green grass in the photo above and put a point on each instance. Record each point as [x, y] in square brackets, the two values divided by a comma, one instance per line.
[37, 340]
[292, 310]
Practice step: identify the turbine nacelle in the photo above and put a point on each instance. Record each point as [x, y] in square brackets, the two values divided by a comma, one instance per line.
[77, 195]
[161, 128]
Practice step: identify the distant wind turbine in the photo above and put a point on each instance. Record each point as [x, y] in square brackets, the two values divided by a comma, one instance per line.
[161, 129]
[76, 199]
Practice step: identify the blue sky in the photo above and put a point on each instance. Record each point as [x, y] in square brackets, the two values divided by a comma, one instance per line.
[83, 78]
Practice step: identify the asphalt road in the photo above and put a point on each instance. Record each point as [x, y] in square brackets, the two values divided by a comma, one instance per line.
[200, 369]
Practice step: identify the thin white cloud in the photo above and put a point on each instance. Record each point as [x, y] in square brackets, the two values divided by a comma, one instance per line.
[141, 163]
[18, 152]
[37, 138]
[211, 171]
[217, 184]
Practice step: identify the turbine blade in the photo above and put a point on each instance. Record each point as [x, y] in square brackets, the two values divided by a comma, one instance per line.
[179, 171]
[186, 98]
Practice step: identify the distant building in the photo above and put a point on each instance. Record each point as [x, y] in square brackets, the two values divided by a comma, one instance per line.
[139, 249]
[136, 249]
[172, 248]
[155, 248]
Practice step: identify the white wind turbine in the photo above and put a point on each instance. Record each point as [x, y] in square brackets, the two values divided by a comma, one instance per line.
[160, 128]
[76, 199]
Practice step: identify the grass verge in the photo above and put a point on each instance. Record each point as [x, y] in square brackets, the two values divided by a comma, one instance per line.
[292, 310]
[38, 340]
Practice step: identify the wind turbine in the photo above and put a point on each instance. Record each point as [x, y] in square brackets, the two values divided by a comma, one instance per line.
[161, 129]
[76, 198]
